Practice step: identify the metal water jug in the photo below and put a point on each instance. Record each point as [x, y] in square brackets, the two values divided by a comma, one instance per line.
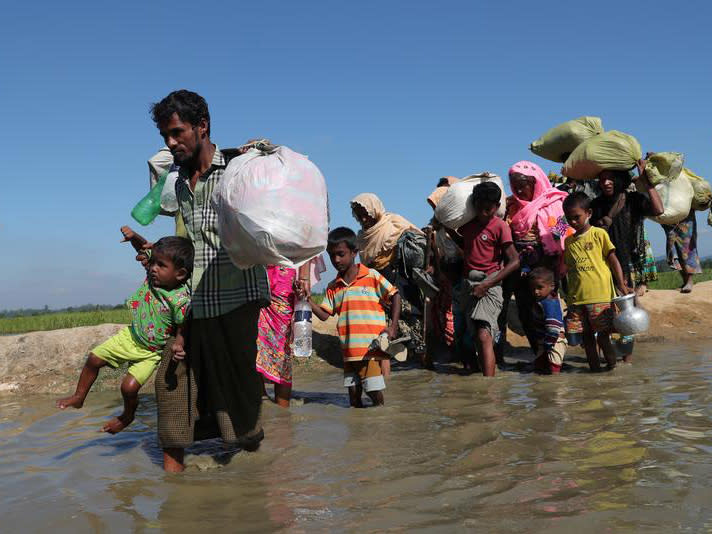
[629, 319]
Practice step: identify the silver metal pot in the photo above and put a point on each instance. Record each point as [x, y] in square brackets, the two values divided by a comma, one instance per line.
[629, 319]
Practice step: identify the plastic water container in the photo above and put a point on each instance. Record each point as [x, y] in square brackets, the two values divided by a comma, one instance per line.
[148, 208]
[302, 346]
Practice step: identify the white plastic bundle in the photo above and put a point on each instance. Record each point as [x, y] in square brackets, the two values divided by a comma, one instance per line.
[677, 199]
[159, 165]
[455, 209]
[272, 209]
[703, 191]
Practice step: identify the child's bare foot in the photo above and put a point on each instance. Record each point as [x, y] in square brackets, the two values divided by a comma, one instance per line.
[70, 402]
[641, 290]
[687, 288]
[116, 425]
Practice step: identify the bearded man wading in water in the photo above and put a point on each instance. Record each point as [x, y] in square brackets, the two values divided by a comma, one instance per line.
[216, 391]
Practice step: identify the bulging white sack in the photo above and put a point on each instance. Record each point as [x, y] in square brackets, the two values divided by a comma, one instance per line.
[677, 199]
[272, 209]
[455, 209]
[161, 164]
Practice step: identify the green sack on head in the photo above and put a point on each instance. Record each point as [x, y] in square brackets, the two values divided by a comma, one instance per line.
[703, 191]
[664, 166]
[613, 151]
[561, 140]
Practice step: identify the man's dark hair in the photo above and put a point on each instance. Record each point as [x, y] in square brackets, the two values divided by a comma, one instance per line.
[342, 235]
[486, 192]
[189, 106]
[578, 199]
[543, 274]
[178, 249]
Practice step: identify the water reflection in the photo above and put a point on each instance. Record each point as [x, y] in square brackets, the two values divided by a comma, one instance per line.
[621, 451]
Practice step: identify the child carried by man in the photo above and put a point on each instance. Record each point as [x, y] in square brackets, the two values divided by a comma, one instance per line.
[159, 308]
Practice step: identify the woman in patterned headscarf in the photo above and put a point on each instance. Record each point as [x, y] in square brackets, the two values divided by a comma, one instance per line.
[535, 214]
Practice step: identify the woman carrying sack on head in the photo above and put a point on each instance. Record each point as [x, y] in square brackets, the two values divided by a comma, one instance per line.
[390, 244]
[622, 214]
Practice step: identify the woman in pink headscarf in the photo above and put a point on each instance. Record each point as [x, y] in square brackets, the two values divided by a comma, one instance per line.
[536, 217]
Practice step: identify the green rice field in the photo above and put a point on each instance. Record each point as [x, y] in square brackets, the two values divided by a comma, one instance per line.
[71, 319]
[55, 321]
[672, 279]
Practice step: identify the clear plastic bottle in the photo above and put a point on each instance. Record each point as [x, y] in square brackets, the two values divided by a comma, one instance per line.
[302, 347]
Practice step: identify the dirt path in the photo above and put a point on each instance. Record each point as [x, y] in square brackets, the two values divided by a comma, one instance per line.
[49, 362]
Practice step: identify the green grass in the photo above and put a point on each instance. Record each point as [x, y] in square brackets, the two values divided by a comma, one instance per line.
[672, 279]
[55, 321]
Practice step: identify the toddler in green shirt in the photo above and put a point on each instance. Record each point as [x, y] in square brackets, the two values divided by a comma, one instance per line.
[159, 308]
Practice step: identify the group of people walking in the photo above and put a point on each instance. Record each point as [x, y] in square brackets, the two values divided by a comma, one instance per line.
[423, 287]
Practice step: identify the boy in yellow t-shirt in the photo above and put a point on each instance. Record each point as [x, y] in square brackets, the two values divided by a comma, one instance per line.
[591, 264]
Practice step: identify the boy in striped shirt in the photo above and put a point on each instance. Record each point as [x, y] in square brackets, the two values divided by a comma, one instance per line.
[359, 296]
[548, 322]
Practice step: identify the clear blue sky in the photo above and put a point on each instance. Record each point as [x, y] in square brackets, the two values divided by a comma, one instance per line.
[383, 96]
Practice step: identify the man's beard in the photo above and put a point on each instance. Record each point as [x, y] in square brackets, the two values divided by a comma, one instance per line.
[190, 160]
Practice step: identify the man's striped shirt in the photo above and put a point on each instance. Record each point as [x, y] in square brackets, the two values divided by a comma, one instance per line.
[218, 287]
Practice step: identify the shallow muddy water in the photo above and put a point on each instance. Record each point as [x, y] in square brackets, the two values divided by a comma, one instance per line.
[619, 452]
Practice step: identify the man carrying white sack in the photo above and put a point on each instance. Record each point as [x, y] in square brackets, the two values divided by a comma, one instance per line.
[217, 392]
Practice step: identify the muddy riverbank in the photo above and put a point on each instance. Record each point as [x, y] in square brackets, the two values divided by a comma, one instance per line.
[48, 362]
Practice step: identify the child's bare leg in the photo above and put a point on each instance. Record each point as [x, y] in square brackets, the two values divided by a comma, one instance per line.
[129, 391]
[173, 460]
[376, 397]
[485, 347]
[355, 396]
[609, 352]
[282, 394]
[385, 368]
[87, 377]
[589, 345]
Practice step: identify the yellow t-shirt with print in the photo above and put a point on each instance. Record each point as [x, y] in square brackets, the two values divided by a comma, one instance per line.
[589, 278]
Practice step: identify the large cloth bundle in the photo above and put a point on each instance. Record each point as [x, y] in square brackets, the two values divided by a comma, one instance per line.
[613, 150]
[562, 140]
[703, 192]
[676, 196]
[455, 209]
[664, 166]
[272, 208]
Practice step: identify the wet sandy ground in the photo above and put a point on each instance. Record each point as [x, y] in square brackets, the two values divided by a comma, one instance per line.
[621, 452]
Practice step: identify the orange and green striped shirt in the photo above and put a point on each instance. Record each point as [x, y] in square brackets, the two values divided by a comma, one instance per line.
[361, 310]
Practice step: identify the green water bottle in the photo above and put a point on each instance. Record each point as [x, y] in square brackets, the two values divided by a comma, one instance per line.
[148, 208]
